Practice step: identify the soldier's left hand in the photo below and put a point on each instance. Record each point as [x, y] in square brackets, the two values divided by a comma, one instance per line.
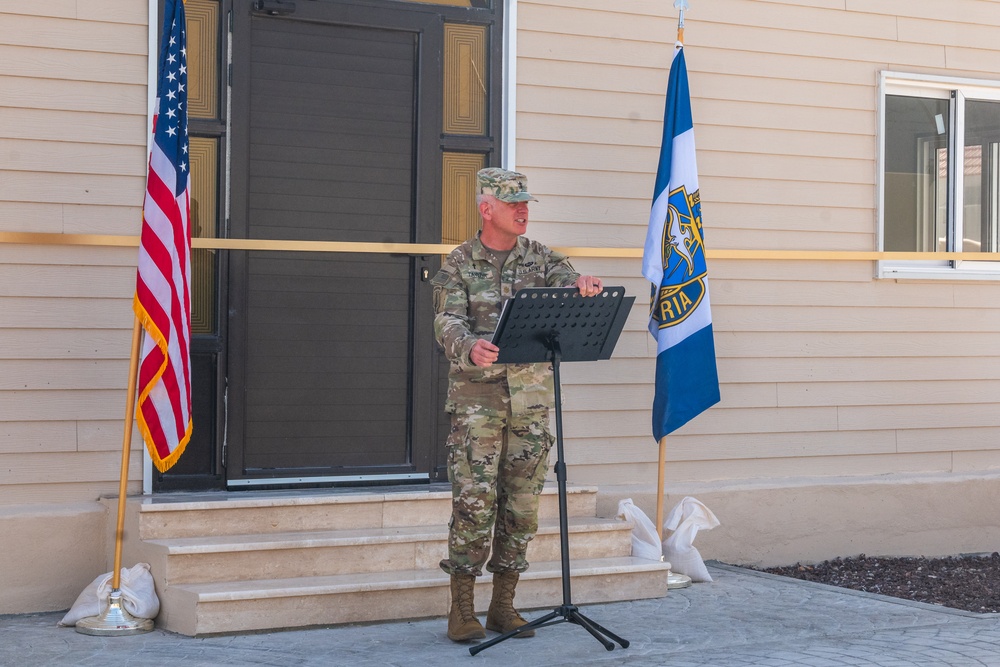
[589, 285]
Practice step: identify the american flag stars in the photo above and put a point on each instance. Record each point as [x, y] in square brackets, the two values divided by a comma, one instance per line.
[172, 134]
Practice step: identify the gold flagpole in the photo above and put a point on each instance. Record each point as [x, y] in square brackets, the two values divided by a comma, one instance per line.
[115, 620]
[661, 475]
[674, 580]
[681, 5]
[660, 483]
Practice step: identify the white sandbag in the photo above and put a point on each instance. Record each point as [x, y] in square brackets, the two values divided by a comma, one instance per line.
[137, 590]
[645, 540]
[685, 520]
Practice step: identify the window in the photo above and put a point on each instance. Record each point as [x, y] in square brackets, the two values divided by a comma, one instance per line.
[206, 129]
[465, 131]
[939, 170]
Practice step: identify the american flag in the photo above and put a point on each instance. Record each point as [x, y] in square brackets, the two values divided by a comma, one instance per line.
[162, 287]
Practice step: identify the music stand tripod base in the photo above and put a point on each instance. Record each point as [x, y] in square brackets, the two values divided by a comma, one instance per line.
[557, 324]
[566, 613]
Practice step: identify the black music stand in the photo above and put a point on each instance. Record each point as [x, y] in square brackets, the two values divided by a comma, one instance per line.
[558, 324]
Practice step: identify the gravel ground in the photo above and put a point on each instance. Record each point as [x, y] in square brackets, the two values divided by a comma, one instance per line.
[970, 582]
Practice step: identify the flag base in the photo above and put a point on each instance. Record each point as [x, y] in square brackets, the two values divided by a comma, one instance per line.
[115, 621]
[675, 580]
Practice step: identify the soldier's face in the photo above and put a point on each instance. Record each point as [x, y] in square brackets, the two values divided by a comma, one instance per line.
[506, 219]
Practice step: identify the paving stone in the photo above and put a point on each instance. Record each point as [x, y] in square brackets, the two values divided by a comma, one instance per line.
[743, 619]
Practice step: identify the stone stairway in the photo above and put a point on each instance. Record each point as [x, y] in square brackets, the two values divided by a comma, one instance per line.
[234, 562]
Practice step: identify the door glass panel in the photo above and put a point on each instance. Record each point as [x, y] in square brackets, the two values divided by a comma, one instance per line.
[465, 70]
[203, 57]
[331, 156]
[459, 214]
[204, 153]
[982, 180]
[916, 174]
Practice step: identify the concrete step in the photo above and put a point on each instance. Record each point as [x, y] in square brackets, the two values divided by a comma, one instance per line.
[165, 517]
[239, 606]
[237, 562]
[323, 553]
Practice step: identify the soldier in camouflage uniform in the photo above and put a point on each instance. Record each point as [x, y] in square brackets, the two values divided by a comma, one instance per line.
[500, 439]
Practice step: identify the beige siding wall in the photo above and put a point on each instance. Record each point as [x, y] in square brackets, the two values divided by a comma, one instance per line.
[825, 371]
[72, 160]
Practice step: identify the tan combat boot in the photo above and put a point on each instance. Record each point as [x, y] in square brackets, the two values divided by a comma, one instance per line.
[462, 622]
[502, 617]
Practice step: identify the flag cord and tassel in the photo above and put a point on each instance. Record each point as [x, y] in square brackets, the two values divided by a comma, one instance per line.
[115, 620]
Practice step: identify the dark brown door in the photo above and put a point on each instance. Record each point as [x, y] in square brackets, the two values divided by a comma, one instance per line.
[336, 117]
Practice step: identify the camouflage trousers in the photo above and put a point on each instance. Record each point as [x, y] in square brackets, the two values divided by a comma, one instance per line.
[497, 466]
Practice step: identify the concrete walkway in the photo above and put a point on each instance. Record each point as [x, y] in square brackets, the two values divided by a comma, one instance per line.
[742, 619]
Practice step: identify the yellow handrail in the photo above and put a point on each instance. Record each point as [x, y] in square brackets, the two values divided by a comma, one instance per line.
[45, 238]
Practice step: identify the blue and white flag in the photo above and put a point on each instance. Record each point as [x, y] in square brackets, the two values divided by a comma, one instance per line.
[680, 318]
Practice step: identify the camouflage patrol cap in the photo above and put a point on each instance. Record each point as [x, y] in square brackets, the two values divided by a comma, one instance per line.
[507, 186]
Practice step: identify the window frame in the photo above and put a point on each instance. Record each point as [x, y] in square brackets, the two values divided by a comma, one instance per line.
[956, 90]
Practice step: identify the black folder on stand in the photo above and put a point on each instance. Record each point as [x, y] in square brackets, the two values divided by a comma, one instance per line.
[587, 327]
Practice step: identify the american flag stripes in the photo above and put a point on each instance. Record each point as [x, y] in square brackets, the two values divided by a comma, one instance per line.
[162, 290]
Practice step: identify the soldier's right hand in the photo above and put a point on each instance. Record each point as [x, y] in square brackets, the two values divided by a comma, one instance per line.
[484, 353]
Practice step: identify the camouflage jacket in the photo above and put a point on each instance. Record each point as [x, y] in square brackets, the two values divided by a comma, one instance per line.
[469, 291]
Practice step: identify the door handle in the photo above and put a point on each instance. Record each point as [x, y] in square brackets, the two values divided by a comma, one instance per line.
[274, 7]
